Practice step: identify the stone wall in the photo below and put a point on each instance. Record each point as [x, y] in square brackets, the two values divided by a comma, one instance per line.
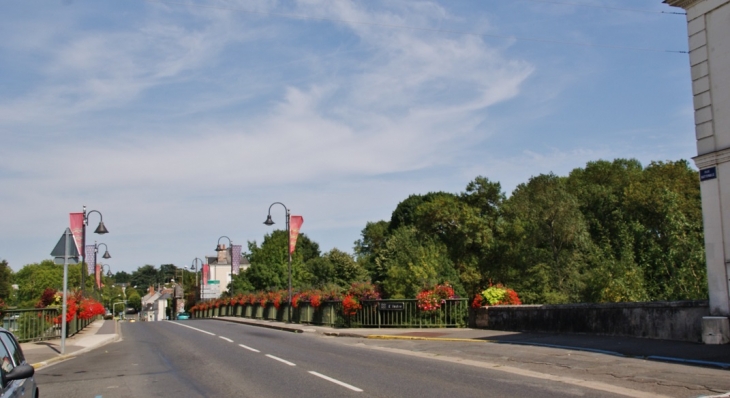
[671, 320]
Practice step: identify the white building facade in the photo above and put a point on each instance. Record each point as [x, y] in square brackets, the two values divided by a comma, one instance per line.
[708, 29]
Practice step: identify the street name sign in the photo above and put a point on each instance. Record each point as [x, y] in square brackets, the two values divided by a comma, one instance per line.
[391, 306]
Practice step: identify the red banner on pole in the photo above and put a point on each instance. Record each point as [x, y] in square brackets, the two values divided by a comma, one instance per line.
[77, 228]
[98, 276]
[206, 271]
[295, 223]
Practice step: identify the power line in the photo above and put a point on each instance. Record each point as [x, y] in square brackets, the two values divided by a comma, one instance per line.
[436, 30]
[606, 7]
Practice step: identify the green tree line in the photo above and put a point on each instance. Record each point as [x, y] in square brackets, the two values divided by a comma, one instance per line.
[610, 231]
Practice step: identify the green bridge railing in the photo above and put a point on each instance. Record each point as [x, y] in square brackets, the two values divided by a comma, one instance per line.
[39, 324]
[373, 314]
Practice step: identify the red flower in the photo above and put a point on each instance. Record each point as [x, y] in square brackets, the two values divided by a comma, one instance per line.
[350, 305]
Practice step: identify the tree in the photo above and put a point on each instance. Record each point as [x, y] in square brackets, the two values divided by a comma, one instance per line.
[6, 275]
[373, 238]
[405, 213]
[269, 262]
[33, 279]
[466, 235]
[166, 273]
[548, 250]
[144, 277]
[122, 277]
[134, 300]
[335, 267]
[410, 264]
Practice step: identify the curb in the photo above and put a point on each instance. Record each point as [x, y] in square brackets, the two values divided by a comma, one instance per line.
[63, 357]
[275, 327]
[387, 337]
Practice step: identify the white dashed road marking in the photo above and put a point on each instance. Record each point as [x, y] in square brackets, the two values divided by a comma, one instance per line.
[248, 348]
[226, 339]
[199, 330]
[281, 360]
[353, 388]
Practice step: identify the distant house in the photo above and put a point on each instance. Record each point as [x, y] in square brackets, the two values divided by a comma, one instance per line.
[220, 272]
[154, 305]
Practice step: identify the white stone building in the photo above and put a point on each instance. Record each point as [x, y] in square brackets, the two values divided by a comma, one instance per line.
[708, 29]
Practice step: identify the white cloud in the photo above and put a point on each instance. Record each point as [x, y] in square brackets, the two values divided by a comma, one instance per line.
[183, 123]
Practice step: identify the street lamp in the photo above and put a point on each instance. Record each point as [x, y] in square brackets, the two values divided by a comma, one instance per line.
[108, 268]
[218, 248]
[194, 267]
[115, 306]
[270, 222]
[96, 250]
[101, 230]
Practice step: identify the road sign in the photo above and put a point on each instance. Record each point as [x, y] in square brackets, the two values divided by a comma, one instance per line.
[708, 174]
[391, 306]
[64, 250]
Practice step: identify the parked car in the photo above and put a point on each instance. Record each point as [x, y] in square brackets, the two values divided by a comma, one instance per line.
[183, 315]
[17, 375]
[108, 315]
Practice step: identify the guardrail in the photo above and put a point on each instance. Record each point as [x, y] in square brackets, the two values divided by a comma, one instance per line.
[39, 324]
[373, 314]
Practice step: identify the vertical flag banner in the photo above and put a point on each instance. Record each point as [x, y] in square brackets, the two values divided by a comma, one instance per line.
[206, 273]
[295, 223]
[235, 258]
[98, 276]
[90, 259]
[77, 228]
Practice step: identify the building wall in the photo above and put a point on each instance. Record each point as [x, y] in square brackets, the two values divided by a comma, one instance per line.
[708, 30]
[678, 320]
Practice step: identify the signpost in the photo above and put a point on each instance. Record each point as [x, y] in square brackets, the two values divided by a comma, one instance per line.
[391, 306]
[65, 253]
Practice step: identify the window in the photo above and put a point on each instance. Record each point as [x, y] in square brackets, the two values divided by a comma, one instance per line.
[6, 362]
[15, 353]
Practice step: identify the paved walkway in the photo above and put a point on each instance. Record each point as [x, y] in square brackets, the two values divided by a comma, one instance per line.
[97, 334]
[717, 356]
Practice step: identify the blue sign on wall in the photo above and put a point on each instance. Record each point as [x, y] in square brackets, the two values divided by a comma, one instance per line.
[708, 174]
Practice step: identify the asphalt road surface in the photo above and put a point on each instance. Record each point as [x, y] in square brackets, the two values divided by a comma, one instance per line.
[205, 358]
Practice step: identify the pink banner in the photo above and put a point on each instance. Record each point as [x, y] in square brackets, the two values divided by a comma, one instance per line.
[77, 229]
[206, 272]
[235, 258]
[90, 259]
[295, 223]
[98, 276]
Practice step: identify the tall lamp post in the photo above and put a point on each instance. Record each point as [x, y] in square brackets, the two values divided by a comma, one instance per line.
[270, 222]
[105, 256]
[230, 250]
[101, 230]
[194, 267]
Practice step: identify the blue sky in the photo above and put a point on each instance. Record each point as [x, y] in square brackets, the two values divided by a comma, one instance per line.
[182, 121]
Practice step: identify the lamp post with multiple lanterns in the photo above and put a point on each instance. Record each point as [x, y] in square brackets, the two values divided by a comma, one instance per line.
[101, 230]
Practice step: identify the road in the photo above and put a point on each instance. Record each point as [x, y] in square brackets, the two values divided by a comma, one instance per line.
[205, 358]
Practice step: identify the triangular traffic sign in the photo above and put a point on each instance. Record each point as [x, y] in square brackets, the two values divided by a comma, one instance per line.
[59, 252]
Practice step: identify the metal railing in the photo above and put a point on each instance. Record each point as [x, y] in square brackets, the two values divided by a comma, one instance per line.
[373, 314]
[33, 324]
[406, 314]
[39, 324]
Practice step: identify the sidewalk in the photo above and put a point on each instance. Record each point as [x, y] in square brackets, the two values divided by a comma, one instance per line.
[102, 332]
[42, 353]
[716, 356]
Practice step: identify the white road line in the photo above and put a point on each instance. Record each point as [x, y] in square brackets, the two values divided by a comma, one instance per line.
[248, 348]
[281, 360]
[226, 339]
[199, 330]
[353, 388]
